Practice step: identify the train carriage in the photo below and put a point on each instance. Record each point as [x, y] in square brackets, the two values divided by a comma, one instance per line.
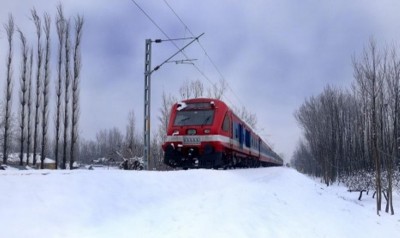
[205, 133]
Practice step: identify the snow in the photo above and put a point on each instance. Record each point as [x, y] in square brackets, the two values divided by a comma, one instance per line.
[264, 202]
[181, 106]
[14, 158]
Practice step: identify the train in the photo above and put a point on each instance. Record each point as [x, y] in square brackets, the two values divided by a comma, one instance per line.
[206, 133]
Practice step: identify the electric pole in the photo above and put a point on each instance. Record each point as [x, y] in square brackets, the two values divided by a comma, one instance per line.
[147, 91]
[147, 74]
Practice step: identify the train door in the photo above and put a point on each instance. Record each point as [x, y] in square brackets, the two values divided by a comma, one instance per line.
[228, 128]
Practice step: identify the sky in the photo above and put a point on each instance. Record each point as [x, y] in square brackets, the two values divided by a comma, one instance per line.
[274, 54]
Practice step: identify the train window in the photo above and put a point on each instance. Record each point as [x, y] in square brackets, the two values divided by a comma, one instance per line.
[247, 138]
[240, 134]
[198, 105]
[227, 122]
[235, 131]
[194, 117]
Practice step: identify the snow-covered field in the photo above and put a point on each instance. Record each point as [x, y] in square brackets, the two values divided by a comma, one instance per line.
[265, 202]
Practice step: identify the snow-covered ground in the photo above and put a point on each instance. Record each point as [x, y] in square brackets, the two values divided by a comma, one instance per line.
[265, 202]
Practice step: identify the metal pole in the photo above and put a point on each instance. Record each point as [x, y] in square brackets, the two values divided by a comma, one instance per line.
[147, 80]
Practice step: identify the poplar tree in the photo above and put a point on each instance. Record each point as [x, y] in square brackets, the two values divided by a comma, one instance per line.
[67, 49]
[9, 28]
[23, 96]
[29, 105]
[38, 25]
[75, 88]
[60, 25]
[45, 88]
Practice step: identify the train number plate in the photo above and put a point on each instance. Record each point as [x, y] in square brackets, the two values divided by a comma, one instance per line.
[191, 140]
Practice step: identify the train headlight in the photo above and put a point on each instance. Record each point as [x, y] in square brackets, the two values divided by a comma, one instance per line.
[207, 131]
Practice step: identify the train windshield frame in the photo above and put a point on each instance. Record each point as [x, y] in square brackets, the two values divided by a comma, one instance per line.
[194, 118]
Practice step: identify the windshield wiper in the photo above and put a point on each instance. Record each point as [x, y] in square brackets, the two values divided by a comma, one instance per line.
[206, 120]
[184, 119]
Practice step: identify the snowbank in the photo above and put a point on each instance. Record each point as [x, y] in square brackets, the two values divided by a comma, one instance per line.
[265, 202]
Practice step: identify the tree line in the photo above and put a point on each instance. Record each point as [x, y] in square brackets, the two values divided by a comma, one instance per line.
[29, 133]
[352, 135]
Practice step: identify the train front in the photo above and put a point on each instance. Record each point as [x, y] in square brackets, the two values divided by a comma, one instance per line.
[192, 134]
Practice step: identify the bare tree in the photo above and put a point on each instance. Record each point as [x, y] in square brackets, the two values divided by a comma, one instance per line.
[165, 110]
[197, 88]
[88, 151]
[75, 87]
[67, 48]
[303, 160]
[9, 28]
[130, 130]
[6, 120]
[23, 96]
[323, 120]
[184, 90]
[393, 90]
[45, 89]
[368, 74]
[60, 25]
[38, 24]
[160, 137]
[218, 90]
[192, 89]
[29, 100]
[131, 138]
[109, 141]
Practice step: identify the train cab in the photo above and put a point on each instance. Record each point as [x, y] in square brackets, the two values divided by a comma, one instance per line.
[197, 132]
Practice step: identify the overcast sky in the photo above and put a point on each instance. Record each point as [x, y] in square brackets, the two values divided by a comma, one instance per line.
[273, 53]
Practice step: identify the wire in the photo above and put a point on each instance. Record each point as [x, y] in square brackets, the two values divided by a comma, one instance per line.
[151, 19]
[204, 50]
[169, 39]
[211, 61]
[179, 51]
[182, 52]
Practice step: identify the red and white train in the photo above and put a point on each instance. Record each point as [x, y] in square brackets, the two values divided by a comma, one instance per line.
[205, 133]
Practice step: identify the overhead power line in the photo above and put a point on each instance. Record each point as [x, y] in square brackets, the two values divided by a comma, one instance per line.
[151, 19]
[169, 39]
[179, 51]
[183, 53]
[204, 50]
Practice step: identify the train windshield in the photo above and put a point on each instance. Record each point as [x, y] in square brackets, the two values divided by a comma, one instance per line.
[194, 118]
